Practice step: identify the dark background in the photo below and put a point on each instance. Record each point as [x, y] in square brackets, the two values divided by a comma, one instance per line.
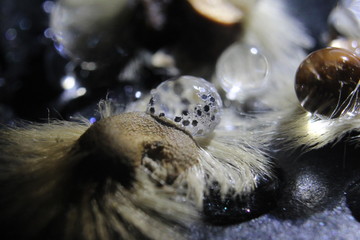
[31, 68]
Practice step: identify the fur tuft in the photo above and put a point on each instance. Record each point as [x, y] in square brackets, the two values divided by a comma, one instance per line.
[44, 182]
[299, 128]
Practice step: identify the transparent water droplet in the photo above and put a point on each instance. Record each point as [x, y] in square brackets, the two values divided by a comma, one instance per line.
[241, 70]
[190, 102]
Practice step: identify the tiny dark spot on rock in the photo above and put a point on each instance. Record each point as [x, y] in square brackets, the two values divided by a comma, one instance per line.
[161, 114]
[212, 118]
[206, 108]
[212, 99]
[151, 101]
[194, 123]
[204, 97]
[198, 112]
[152, 110]
[177, 119]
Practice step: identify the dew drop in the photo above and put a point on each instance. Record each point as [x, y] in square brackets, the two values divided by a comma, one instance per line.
[200, 95]
[240, 70]
[327, 84]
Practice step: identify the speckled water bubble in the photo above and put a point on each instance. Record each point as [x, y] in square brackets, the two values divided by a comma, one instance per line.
[241, 70]
[190, 102]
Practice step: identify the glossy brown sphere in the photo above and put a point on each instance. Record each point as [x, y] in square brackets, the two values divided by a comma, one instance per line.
[326, 82]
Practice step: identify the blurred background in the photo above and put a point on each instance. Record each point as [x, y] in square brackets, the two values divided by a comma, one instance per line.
[38, 80]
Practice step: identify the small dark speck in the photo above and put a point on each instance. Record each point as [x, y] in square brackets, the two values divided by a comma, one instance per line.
[206, 108]
[198, 112]
[185, 101]
[186, 122]
[152, 110]
[194, 123]
[161, 114]
[185, 112]
[212, 99]
[151, 101]
[177, 119]
[212, 118]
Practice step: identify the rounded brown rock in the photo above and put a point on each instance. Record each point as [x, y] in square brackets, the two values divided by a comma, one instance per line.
[326, 82]
[132, 140]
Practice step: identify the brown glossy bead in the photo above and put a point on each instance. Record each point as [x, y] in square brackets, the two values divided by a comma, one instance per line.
[326, 82]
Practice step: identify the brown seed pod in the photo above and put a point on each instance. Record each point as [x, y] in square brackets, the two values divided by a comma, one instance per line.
[326, 82]
[130, 140]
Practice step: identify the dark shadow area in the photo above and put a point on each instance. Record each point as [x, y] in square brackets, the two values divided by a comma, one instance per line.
[315, 181]
[231, 210]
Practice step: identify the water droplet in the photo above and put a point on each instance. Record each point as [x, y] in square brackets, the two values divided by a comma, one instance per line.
[241, 69]
[168, 101]
[327, 83]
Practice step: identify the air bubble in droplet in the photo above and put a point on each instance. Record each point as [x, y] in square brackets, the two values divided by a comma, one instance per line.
[241, 70]
[183, 100]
